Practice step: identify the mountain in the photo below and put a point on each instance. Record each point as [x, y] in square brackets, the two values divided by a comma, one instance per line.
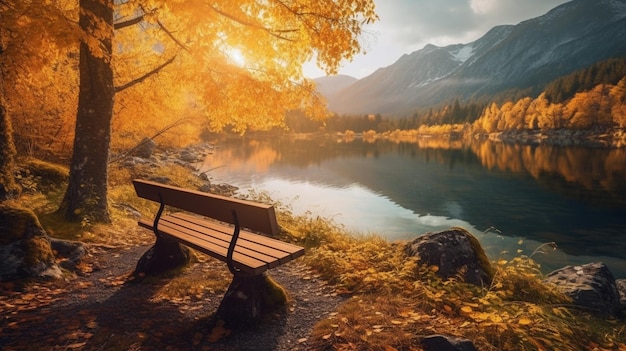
[330, 85]
[513, 57]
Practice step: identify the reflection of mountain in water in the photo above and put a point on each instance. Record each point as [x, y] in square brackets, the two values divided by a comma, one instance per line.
[574, 196]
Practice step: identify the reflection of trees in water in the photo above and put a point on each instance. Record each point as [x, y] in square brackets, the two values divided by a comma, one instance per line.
[599, 175]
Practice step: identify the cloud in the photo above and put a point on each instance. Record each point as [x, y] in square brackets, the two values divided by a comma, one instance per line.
[408, 25]
[417, 22]
[482, 6]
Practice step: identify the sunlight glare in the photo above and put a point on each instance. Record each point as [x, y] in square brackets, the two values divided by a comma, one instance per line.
[236, 57]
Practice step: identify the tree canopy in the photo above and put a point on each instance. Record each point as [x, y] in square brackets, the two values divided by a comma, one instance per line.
[230, 64]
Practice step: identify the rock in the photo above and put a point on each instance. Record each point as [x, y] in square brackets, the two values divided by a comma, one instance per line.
[132, 161]
[621, 287]
[446, 343]
[160, 179]
[591, 286]
[189, 156]
[205, 188]
[453, 251]
[25, 250]
[145, 148]
[203, 176]
[224, 189]
[183, 164]
[71, 252]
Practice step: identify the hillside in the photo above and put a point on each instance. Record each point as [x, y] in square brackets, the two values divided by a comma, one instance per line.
[328, 86]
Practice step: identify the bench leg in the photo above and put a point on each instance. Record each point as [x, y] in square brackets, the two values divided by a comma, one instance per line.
[248, 298]
[166, 254]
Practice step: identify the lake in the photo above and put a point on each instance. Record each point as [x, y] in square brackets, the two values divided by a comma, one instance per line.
[511, 197]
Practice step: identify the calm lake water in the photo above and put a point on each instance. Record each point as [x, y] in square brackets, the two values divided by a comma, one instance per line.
[531, 195]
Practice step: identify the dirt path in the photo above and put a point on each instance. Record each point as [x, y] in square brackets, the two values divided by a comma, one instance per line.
[101, 309]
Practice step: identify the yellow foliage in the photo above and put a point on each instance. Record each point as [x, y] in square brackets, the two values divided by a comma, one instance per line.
[177, 67]
[603, 106]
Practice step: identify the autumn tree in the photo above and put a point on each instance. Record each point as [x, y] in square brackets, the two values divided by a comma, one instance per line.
[86, 194]
[26, 29]
[618, 110]
[8, 185]
[7, 148]
[590, 109]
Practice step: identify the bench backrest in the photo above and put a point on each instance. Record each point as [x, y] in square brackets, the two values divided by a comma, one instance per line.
[251, 215]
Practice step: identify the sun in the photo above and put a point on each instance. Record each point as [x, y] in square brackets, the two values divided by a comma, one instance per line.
[237, 57]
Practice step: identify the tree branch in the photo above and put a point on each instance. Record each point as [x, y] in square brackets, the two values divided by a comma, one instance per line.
[145, 76]
[130, 22]
[254, 25]
[169, 34]
[124, 154]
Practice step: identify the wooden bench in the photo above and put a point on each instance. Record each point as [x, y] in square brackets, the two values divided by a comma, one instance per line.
[227, 229]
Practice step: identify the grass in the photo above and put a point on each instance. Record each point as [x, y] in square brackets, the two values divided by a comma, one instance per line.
[394, 300]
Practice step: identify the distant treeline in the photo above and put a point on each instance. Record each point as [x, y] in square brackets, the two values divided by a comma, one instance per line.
[593, 96]
[610, 71]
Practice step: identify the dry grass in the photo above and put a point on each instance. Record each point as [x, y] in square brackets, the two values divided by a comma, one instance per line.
[396, 301]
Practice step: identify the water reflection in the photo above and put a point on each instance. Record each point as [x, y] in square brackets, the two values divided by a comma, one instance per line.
[574, 196]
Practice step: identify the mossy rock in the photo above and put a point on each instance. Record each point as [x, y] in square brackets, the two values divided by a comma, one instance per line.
[456, 253]
[50, 172]
[18, 224]
[25, 249]
[39, 175]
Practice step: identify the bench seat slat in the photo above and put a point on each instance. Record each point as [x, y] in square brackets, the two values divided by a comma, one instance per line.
[213, 240]
[241, 261]
[247, 242]
[269, 246]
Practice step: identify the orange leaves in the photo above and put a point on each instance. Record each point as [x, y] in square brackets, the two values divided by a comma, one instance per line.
[201, 85]
[275, 38]
[217, 332]
[524, 321]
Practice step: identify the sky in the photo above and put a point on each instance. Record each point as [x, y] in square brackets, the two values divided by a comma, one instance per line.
[406, 26]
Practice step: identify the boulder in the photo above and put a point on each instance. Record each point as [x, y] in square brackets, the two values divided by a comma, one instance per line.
[25, 250]
[69, 252]
[446, 343]
[189, 156]
[621, 287]
[455, 252]
[145, 148]
[591, 286]
[160, 179]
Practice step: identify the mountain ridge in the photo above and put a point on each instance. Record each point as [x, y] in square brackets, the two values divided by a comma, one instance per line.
[525, 56]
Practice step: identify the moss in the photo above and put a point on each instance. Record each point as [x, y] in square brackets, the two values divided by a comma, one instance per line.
[20, 225]
[50, 173]
[274, 295]
[17, 224]
[38, 250]
[481, 256]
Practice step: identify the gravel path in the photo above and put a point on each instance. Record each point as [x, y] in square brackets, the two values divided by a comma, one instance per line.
[101, 310]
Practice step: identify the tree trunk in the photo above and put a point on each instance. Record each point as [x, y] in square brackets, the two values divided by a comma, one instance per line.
[86, 194]
[8, 186]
